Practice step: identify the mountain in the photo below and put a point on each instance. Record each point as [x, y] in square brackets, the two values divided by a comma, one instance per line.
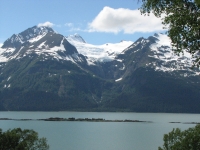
[42, 41]
[41, 70]
[44, 70]
[156, 80]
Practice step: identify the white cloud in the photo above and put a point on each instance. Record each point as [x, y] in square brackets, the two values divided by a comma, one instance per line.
[1, 44]
[69, 24]
[75, 27]
[47, 24]
[124, 20]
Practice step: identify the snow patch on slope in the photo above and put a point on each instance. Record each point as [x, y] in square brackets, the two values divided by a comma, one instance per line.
[44, 49]
[4, 52]
[37, 38]
[118, 79]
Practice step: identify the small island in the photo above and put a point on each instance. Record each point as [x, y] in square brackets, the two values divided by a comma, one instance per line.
[74, 119]
[89, 120]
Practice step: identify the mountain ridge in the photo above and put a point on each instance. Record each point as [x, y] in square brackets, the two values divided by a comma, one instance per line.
[44, 70]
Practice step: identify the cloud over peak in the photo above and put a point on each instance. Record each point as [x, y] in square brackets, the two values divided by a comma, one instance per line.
[47, 24]
[124, 20]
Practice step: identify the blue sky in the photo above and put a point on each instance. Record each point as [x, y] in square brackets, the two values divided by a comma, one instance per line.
[97, 21]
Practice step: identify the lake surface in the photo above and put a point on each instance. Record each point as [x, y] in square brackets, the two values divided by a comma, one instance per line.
[70, 135]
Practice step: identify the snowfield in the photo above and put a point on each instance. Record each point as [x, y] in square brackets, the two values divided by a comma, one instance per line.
[100, 53]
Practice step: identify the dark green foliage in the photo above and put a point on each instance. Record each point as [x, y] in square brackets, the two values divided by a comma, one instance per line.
[142, 91]
[18, 139]
[182, 140]
[182, 21]
[48, 85]
[53, 85]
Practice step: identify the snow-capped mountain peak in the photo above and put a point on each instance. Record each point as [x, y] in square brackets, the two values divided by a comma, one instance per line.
[165, 59]
[29, 35]
[39, 40]
[162, 50]
[75, 38]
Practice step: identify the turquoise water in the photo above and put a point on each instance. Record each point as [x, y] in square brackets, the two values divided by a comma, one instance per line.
[100, 135]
